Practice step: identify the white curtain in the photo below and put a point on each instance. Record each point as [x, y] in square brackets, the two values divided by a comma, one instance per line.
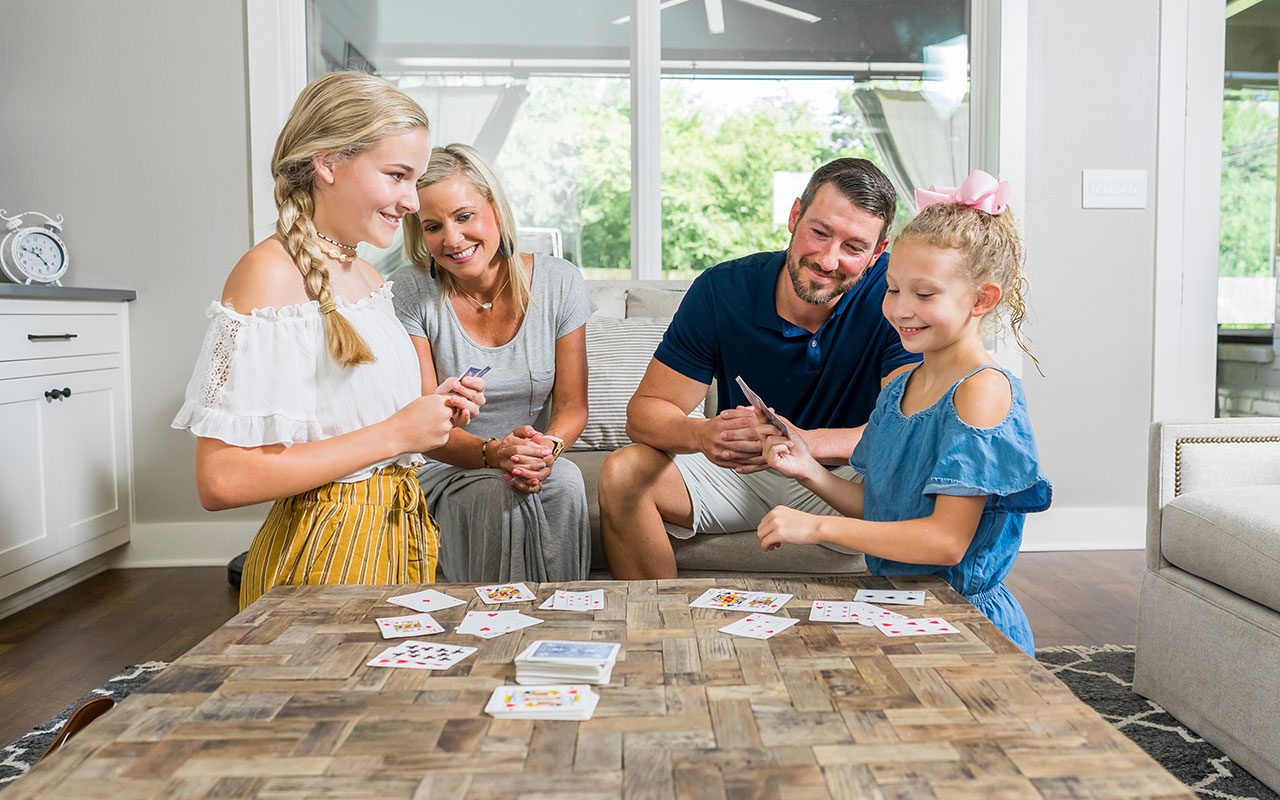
[917, 147]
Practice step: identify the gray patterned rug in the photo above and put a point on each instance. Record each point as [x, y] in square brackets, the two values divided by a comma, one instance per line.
[1103, 678]
[1100, 676]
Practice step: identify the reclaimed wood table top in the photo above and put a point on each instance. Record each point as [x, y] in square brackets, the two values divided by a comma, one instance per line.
[279, 703]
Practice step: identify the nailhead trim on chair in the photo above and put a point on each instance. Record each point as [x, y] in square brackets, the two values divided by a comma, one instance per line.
[1178, 443]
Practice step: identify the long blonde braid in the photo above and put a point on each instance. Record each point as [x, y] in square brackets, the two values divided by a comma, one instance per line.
[337, 116]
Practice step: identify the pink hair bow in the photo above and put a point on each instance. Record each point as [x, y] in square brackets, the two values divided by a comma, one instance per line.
[980, 190]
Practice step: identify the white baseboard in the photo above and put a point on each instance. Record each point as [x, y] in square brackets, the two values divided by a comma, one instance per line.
[1111, 528]
[47, 577]
[184, 544]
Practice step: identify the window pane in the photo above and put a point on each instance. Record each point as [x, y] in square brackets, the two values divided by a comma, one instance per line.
[1248, 372]
[544, 95]
[756, 96]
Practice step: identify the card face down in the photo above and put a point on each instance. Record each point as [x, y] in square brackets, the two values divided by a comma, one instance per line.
[565, 651]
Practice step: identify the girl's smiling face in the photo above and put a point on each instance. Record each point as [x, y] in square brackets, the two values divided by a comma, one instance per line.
[928, 300]
[369, 193]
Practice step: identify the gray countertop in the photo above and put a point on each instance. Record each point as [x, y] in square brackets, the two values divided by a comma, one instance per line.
[48, 292]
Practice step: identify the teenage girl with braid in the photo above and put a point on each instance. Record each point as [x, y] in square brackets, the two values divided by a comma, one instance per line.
[307, 389]
[946, 470]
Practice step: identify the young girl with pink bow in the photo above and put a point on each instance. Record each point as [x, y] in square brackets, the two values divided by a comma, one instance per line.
[947, 466]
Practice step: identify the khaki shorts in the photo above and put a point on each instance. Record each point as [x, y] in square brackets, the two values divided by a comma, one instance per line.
[725, 501]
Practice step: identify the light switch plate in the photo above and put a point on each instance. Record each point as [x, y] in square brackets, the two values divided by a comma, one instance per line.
[1113, 188]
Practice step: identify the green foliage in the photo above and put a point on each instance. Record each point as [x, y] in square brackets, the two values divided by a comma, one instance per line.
[1248, 204]
[567, 165]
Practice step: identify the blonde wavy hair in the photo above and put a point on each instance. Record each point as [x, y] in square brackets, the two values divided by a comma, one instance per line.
[338, 116]
[992, 251]
[462, 160]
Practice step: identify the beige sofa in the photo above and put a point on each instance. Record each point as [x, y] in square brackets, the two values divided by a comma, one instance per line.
[647, 305]
[1209, 610]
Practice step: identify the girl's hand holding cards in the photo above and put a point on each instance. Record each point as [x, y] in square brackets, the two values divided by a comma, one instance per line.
[464, 395]
[788, 454]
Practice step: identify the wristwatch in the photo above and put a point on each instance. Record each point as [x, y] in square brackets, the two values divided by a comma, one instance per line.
[556, 447]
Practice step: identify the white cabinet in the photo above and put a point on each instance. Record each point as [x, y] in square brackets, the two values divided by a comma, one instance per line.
[64, 432]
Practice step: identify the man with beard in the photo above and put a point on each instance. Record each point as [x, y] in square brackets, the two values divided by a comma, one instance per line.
[803, 328]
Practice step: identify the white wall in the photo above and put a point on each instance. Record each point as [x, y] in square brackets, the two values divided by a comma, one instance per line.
[1092, 103]
[129, 118]
[134, 126]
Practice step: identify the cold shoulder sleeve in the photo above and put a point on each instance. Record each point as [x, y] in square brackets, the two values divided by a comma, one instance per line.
[255, 381]
[1000, 462]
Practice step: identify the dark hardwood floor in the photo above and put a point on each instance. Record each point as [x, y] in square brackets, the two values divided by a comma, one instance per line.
[61, 648]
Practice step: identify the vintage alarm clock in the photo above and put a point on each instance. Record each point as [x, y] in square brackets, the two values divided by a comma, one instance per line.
[33, 253]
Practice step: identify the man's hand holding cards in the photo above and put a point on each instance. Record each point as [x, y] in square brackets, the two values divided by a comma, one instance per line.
[772, 418]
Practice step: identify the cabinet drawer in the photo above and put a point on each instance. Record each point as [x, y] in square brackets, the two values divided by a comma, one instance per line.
[29, 336]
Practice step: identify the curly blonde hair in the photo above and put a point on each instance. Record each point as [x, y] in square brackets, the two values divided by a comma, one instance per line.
[460, 160]
[338, 116]
[993, 253]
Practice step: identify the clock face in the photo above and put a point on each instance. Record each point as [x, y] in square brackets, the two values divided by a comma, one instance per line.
[39, 255]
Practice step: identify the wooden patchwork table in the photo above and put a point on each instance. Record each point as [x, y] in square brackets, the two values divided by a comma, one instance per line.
[278, 703]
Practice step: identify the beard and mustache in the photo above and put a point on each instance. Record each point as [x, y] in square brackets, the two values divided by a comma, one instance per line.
[813, 294]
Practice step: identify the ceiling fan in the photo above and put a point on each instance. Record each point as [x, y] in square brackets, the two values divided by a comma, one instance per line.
[715, 12]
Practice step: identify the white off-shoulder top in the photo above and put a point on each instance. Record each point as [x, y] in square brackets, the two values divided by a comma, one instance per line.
[267, 377]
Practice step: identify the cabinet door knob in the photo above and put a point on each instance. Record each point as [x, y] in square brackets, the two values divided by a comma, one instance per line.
[66, 392]
[54, 394]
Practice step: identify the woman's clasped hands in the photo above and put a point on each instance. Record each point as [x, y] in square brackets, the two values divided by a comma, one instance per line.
[525, 457]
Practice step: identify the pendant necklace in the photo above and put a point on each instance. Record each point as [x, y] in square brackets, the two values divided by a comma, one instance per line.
[488, 305]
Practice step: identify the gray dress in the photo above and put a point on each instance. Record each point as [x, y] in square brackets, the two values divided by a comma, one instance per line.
[489, 531]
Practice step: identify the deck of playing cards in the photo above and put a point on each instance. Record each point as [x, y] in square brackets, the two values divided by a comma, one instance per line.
[572, 701]
[741, 600]
[420, 655]
[574, 601]
[550, 662]
[488, 624]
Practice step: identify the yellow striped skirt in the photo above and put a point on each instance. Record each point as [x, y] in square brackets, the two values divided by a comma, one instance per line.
[376, 531]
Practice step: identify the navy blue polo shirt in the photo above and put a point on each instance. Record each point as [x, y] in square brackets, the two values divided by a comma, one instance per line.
[728, 325]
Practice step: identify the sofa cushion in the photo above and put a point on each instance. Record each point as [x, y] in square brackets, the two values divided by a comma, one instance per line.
[618, 352]
[1230, 537]
[609, 298]
[648, 301]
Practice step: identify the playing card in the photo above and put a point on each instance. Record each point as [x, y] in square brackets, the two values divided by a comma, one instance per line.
[548, 650]
[411, 625]
[505, 593]
[575, 601]
[759, 626]
[916, 627]
[754, 399]
[488, 624]
[419, 655]
[476, 372]
[861, 613]
[900, 597]
[740, 600]
[570, 701]
[427, 600]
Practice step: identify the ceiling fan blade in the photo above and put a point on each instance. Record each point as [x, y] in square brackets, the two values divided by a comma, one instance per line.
[786, 11]
[661, 7]
[715, 15]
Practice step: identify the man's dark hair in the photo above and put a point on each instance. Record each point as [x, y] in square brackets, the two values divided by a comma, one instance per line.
[862, 183]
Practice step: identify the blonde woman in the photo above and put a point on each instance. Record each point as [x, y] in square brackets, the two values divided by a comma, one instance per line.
[510, 508]
[306, 391]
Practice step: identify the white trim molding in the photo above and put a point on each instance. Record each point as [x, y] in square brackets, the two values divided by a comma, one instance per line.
[1085, 528]
[1188, 183]
[276, 37]
[646, 141]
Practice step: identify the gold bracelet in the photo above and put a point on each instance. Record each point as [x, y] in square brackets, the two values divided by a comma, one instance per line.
[484, 452]
[556, 448]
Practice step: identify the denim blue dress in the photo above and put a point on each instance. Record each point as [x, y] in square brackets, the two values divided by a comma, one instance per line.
[905, 462]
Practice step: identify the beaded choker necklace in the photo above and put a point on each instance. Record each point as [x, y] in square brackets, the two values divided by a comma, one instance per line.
[330, 247]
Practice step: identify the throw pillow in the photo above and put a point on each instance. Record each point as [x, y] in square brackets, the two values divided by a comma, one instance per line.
[618, 352]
